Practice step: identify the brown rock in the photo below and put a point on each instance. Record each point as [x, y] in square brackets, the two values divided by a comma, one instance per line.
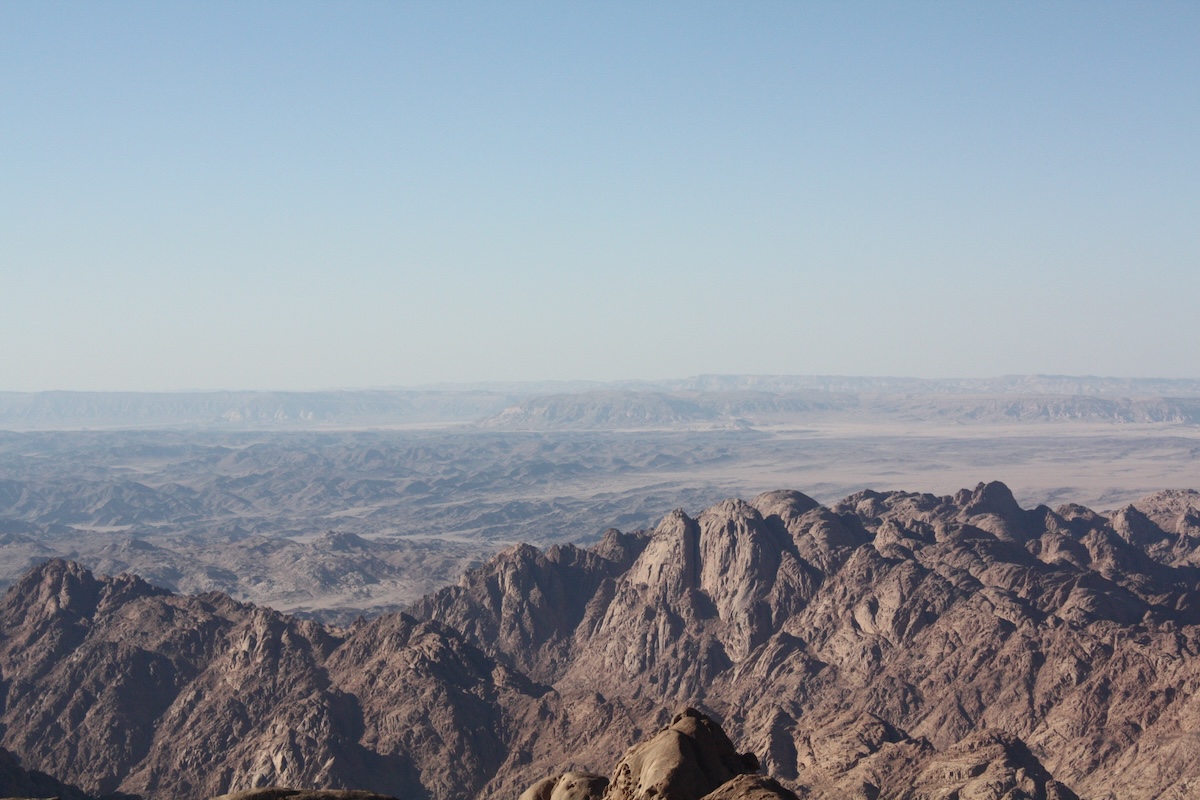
[568, 786]
[278, 793]
[988, 766]
[750, 787]
[685, 761]
[689, 759]
[860, 650]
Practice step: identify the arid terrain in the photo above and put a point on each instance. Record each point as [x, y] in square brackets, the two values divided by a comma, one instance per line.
[428, 595]
[340, 503]
[890, 645]
[512, 400]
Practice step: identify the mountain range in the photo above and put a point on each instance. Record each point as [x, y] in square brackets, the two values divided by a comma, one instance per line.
[701, 401]
[890, 645]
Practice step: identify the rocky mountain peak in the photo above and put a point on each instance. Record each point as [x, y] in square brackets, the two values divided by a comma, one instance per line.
[525, 605]
[1135, 527]
[992, 497]
[992, 507]
[989, 764]
[786, 504]
[59, 589]
[1176, 511]
[894, 646]
[620, 548]
[60, 586]
[669, 566]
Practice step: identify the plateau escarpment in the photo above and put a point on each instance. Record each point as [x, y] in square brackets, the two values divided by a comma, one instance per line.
[892, 645]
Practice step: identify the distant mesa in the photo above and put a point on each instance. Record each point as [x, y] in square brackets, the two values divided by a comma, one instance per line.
[708, 400]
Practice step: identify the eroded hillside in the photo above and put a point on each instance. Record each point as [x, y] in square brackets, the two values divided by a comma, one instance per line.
[892, 645]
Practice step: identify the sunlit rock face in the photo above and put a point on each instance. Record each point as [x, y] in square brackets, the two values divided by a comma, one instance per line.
[893, 645]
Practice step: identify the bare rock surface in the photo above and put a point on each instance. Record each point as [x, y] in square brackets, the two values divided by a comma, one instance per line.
[689, 759]
[568, 786]
[527, 604]
[280, 793]
[988, 765]
[893, 646]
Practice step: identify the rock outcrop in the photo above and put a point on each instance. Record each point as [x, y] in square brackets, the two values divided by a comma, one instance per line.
[280, 793]
[568, 786]
[689, 759]
[892, 646]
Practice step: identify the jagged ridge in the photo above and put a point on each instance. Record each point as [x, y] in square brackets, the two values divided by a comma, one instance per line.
[894, 645]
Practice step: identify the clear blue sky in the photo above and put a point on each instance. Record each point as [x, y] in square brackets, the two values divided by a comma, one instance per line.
[308, 195]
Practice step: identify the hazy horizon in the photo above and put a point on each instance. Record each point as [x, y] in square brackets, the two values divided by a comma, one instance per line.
[223, 196]
[568, 385]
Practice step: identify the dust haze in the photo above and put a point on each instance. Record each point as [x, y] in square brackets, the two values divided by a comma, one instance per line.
[335, 504]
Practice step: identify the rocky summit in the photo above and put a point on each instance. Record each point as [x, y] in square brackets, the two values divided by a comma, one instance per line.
[690, 758]
[892, 645]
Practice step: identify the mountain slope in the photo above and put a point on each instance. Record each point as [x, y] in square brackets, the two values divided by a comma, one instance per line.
[893, 645]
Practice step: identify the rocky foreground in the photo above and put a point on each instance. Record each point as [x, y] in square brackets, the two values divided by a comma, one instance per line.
[894, 645]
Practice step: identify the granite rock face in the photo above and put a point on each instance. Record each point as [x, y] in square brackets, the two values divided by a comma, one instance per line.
[123, 687]
[568, 786]
[689, 759]
[280, 793]
[894, 645]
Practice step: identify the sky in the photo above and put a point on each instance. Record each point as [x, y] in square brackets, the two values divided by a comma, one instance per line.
[298, 195]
